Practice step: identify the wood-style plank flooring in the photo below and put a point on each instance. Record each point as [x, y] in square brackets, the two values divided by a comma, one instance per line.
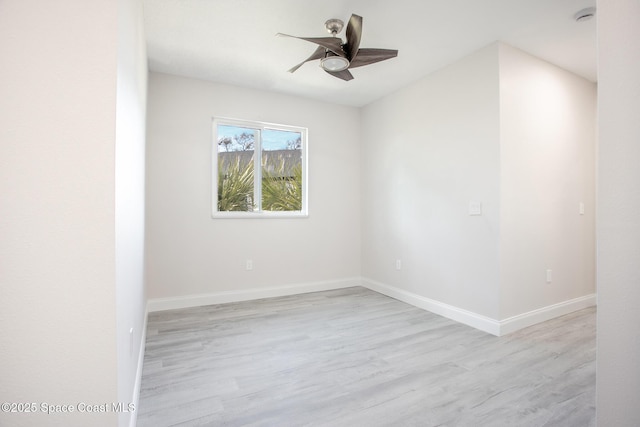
[353, 357]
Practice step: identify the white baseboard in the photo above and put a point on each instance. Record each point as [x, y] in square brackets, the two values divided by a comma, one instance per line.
[475, 320]
[466, 317]
[136, 387]
[478, 321]
[543, 314]
[159, 304]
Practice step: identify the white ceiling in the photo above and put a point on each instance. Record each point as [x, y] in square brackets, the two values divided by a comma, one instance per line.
[234, 42]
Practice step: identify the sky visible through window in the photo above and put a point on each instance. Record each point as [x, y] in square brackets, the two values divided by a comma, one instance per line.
[272, 139]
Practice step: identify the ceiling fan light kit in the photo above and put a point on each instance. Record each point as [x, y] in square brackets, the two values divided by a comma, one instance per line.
[334, 63]
[336, 57]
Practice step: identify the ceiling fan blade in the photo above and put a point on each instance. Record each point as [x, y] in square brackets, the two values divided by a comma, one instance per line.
[344, 74]
[319, 53]
[354, 35]
[334, 44]
[371, 56]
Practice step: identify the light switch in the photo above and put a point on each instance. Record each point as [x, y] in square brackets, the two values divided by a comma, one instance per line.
[475, 208]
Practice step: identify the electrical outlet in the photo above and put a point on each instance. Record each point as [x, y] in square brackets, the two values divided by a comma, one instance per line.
[249, 265]
[548, 276]
[398, 264]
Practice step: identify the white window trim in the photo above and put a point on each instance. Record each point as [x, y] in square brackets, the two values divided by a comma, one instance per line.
[304, 213]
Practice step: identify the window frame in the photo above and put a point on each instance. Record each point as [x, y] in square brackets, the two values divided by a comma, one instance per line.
[257, 160]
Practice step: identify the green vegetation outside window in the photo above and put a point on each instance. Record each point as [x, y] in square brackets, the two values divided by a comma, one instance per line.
[277, 187]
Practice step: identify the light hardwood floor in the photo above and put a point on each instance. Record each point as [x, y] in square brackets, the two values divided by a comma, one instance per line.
[353, 357]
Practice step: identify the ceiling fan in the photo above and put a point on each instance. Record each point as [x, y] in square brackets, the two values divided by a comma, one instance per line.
[336, 57]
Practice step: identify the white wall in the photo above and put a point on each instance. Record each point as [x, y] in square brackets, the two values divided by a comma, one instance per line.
[618, 383]
[57, 250]
[547, 163]
[129, 198]
[429, 150]
[511, 132]
[188, 252]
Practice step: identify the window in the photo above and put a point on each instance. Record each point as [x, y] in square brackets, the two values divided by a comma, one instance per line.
[277, 187]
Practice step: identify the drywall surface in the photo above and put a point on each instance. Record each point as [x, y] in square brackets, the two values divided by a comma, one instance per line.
[57, 262]
[618, 383]
[473, 183]
[188, 251]
[429, 151]
[130, 197]
[547, 172]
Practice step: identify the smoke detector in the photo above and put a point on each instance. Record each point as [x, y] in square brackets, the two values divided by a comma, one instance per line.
[585, 14]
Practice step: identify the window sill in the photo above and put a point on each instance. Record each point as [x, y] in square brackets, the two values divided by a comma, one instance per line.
[259, 215]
